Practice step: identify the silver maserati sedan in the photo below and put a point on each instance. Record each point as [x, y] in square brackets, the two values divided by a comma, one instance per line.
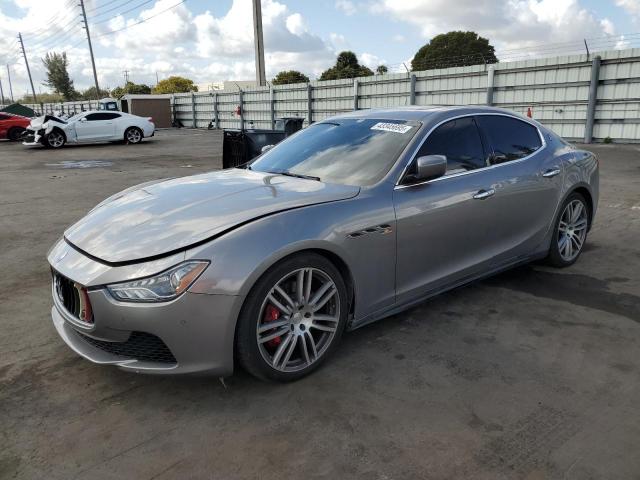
[348, 221]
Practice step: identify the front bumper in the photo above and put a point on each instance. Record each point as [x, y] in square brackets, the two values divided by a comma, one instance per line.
[193, 333]
[32, 137]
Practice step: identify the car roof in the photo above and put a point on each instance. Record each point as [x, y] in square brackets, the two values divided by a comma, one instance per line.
[423, 113]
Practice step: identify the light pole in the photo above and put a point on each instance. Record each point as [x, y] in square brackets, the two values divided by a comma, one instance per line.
[259, 42]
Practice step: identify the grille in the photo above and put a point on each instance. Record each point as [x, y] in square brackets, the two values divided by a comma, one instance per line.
[140, 345]
[73, 297]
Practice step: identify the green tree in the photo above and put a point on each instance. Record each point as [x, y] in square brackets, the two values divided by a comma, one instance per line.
[382, 69]
[454, 49]
[131, 88]
[290, 76]
[346, 66]
[175, 84]
[90, 94]
[58, 79]
[43, 97]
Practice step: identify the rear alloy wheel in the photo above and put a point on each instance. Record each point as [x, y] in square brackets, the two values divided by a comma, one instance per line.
[570, 231]
[15, 133]
[293, 319]
[54, 139]
[133, 135]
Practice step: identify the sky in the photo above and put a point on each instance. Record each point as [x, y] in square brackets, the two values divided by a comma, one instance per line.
[212, 40]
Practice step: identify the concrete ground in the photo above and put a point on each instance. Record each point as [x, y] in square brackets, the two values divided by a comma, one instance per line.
[532, 374]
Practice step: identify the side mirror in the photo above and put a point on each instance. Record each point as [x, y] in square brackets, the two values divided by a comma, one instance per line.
[430, 167]
[266, 148]
[83, 119]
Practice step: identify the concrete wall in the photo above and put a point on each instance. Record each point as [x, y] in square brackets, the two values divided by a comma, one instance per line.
[555, 89]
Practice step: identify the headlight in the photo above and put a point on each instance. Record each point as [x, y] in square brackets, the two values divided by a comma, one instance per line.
[162, 287]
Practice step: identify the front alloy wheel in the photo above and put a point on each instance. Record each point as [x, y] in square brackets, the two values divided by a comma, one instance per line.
[296, 314]
[55, 139]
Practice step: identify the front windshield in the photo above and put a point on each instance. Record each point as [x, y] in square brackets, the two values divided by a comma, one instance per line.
[74, 117]
[350, 151]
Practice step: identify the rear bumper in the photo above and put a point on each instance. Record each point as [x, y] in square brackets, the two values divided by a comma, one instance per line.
[197, 330]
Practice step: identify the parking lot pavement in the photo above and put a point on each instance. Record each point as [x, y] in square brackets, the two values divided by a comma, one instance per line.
[533, 374]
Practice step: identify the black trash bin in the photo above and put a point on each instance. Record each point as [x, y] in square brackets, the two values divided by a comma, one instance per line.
[241, 146]
[289, 125]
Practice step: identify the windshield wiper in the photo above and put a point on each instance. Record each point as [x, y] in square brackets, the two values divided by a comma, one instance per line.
[296, 175]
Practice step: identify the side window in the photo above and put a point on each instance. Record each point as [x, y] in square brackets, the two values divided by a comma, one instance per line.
[460, 141]
[102, 116]
[509, 138]
[3, 117]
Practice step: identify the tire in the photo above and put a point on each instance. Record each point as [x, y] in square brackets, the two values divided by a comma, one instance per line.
[133, 135]
[15, 133]
[54, 139]
[571, 225]
[267, 352]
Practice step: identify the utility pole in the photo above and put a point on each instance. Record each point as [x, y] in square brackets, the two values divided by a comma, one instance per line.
[261, 78]
[10, 87]
[24, 54]
[1, 93]
[93, 62]
[125, 73]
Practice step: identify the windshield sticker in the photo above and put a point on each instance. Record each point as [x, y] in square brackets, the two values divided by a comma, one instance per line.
[392, 127]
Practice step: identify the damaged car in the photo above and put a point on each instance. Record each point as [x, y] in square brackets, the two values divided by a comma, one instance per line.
[88, 127]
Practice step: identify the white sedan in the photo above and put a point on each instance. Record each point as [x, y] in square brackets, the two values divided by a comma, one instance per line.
[88, 127]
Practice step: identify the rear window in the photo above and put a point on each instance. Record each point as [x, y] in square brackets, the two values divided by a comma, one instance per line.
[509, 138]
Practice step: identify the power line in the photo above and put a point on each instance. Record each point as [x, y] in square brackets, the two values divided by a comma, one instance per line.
[100, 7]
[60, 15]
[59, 40]
[119, 13]
[111, 32]
[60, 34]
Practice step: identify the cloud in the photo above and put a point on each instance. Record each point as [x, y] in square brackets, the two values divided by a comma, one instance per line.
[630, 6]
[169, 41]
[346, 6]
[370, 60]
[286, 38]
[512, 24]
[607, 26]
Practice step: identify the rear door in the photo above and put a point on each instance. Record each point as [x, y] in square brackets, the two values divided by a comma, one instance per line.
[526, 178]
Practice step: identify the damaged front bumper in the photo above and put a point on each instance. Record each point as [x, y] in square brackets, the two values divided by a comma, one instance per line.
[33, 137]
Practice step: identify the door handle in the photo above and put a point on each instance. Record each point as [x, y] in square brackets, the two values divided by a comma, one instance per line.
[482, 194]
[552, 172]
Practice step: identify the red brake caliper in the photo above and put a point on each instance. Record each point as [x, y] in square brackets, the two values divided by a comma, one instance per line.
[271, 314]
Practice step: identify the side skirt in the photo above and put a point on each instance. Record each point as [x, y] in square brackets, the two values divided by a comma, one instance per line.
[397, 308]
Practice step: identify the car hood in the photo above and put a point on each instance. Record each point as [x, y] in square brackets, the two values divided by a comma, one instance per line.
[154, 219]
[38, 122]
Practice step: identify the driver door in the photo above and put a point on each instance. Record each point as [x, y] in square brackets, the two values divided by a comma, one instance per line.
[94, 127]
[443, 224]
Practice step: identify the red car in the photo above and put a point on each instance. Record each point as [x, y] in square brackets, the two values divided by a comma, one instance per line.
[12, 126]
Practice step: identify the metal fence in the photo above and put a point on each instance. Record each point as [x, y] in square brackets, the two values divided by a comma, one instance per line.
[579, 97]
